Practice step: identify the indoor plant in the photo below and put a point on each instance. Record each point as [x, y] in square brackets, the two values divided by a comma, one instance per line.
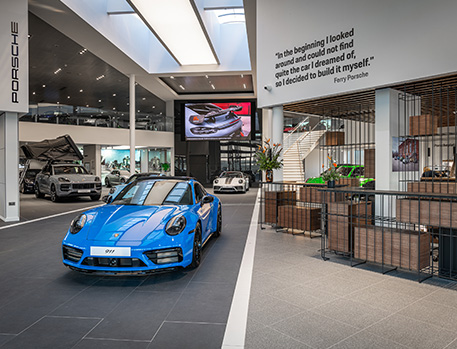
[268, 158]
[330, 176]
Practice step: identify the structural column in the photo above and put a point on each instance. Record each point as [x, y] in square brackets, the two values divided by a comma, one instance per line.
[278, 137]
[93, 158]
[391, 121]
[132, 113]
[170, 113]
[267, 124]
[9, 167]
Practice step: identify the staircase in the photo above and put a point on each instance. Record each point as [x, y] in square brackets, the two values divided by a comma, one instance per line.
[298, 145]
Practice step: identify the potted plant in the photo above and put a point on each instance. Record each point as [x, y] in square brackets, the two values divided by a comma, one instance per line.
[268, 158]
[330, 176]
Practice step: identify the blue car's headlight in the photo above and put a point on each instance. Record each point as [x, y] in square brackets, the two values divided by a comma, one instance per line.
[78, 223]
[175, 225]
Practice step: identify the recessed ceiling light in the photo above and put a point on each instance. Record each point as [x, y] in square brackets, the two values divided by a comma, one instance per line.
[242, 75]
[87, 105]
[99, 101]
[212, 86]
[172, 77]
[153, 106]
[181, 87]
[58, 71]
[244, 85]
[68, 97]
[144, 98]
[81, 90]
[44, 85]
[33, 93]
[114, 95]
[114, 108]
[58, 102]
[206, 76]
[138, 110]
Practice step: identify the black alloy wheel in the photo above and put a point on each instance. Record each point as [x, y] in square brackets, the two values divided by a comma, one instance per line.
[95, 197]
[197, 248]
[54, 196]
[38, 193]
[218, 231]
[122, 180]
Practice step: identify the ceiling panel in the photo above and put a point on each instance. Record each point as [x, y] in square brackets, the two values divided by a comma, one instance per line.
[61, 71]
[210, 84]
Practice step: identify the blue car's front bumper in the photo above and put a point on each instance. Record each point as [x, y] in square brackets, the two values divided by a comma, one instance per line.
[141, 259]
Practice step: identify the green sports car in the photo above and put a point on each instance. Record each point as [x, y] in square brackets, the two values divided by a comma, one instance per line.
[345, 171]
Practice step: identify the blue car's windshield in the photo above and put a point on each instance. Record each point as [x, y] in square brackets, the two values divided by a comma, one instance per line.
[155, 192]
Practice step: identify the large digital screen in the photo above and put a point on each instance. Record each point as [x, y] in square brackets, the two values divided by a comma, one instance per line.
[218, 121]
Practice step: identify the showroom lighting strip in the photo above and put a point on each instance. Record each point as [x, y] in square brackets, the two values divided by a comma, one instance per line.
[235, 331]
[184, 37]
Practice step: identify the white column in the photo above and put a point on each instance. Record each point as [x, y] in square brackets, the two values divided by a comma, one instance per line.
[132, 113]
[391, 121]
[277, 137]
[144, 162]
[170, 112]
[9, 167]
[389, 124]
[267, 124]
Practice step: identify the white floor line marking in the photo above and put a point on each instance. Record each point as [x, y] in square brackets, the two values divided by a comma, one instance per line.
[235, 332]
[47, 217]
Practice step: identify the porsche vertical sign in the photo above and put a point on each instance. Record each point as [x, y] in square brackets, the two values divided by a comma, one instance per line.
[14, 56]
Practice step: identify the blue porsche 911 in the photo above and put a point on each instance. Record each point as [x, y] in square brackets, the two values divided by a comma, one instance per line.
[153, 224]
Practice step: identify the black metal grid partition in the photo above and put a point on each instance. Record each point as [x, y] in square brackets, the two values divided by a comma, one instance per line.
[291, 207]
[416, 232]
[409, 231]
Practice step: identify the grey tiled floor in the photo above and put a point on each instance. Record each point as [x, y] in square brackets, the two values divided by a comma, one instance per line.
[45, 305]
[300, 301]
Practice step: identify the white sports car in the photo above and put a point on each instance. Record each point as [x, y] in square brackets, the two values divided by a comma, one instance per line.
[231, 181]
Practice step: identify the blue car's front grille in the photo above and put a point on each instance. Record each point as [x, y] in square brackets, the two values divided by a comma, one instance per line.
[71, 253]
[165, 256]
[113, 262]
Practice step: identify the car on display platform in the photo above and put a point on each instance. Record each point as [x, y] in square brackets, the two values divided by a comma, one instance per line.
[231, 182]
[116, 177]
[345, 171]
[63, 180]
[154, 224]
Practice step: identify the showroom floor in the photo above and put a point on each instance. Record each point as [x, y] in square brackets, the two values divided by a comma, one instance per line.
[300, 301]
[45, 305]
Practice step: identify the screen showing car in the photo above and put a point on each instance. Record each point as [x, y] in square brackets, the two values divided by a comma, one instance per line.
[216, 121]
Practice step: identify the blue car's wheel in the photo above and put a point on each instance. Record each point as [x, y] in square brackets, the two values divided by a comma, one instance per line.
[197, 247]
[218, 231]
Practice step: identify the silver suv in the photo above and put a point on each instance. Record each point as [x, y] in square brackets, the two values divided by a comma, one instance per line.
[61, 180]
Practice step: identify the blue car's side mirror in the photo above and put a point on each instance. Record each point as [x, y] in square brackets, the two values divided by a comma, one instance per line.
[207, 199]
[107, 198]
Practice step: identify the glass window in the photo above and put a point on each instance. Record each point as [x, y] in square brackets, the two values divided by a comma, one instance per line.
[199, 192]
[155, 192]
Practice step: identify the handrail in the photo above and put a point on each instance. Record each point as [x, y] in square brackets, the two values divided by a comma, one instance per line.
[285, 141]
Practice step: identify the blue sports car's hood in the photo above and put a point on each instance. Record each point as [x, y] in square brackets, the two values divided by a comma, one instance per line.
[129, 223]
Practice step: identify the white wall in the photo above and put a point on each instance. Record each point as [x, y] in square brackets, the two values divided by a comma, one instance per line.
[393, 41]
